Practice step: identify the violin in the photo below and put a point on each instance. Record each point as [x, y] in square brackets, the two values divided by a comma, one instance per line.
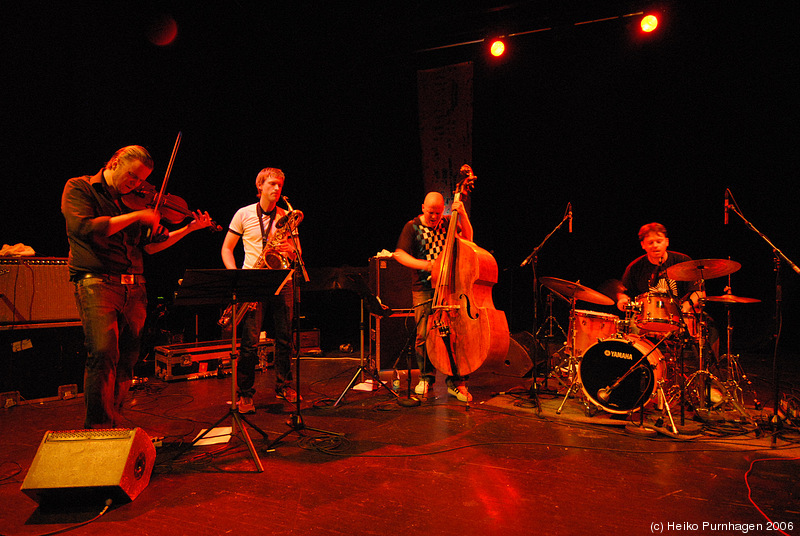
[173, 209]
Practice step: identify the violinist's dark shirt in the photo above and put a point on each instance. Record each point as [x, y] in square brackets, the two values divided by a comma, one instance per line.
[87, 206]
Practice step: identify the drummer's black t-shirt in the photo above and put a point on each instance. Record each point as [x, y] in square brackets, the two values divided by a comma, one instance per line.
[642, 276]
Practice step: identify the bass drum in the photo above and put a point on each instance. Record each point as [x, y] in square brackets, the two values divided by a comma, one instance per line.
[607, 361]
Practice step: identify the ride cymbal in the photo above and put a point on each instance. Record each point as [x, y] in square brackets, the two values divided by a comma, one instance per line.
[702, 269]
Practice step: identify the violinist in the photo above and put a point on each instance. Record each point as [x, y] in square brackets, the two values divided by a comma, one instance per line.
[259, 227]
[421, 241]
[107, 241]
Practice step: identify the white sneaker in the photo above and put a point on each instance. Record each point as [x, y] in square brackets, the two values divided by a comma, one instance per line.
[460, 392]
[422, 388]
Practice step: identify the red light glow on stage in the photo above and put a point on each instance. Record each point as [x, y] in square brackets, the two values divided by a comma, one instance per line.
[163, 31]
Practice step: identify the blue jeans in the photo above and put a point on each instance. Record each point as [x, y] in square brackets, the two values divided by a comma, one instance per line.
[281, 308]
[113, 317]
[427, 371]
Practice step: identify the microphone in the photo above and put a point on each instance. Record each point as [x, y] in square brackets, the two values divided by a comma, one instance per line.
[569, 208]
[603, 394]
[727, 206]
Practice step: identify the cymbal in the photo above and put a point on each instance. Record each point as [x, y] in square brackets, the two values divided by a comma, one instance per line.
[576, 290]
[730, 298]
[702, 269]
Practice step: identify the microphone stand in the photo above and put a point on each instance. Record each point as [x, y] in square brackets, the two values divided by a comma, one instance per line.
[533, 259]
[607, 391]
[778, 255]
[295, 421]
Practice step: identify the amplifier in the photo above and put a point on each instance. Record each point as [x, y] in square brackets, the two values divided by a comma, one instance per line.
[36, 289]
[391, 282]
[195, 360]
[310, 342]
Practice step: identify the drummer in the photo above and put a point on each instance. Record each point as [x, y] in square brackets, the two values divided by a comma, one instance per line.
[648, 273]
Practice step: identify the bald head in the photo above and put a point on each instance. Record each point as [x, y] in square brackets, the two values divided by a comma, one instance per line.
[432, 209]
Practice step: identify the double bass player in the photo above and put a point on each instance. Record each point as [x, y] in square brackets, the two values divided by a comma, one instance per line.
[419, 245]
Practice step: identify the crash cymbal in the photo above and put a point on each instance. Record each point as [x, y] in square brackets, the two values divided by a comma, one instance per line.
[730, 298]
[576, 290]
[702, 269]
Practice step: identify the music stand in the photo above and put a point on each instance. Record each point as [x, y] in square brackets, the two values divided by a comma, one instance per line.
[362, 370]
[218, 286]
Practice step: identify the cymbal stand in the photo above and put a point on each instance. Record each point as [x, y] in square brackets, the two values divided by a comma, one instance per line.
[735, 376]
[708, 380]
[574, 384]
[662, 398]
[548, 323]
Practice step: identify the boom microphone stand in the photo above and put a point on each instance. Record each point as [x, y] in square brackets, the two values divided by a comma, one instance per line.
[532, 259]
[778, 255]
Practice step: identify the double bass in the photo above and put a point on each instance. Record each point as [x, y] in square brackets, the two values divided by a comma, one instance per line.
[464, 328]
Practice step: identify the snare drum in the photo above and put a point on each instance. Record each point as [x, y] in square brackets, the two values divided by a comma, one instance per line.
[609, 360]
[657, 311]
[588, 327]
[691, 325]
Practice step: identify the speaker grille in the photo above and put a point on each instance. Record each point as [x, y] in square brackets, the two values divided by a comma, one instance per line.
[36, 289]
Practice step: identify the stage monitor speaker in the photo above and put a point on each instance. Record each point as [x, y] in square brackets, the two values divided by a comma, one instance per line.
[517, 362]
[78, 466]
[36, 289]
[390, 281]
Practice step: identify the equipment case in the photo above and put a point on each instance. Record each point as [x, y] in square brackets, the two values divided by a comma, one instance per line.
[190, 361]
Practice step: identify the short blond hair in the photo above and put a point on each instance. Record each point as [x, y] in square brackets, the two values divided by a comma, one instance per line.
[266, 173]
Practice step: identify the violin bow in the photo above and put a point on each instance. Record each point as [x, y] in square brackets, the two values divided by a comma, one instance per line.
[166, 175]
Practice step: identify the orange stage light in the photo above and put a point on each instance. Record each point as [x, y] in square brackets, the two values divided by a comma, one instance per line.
[649, 23]
[497, 48]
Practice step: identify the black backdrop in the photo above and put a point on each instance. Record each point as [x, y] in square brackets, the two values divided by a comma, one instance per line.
[626, 131]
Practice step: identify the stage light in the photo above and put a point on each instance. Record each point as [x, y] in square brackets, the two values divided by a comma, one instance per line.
[649, 23]
[497, 48]
[163, 30]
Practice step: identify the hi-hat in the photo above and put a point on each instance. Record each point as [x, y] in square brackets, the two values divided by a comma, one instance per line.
[576, 290]
[702, 269]
[730, 298]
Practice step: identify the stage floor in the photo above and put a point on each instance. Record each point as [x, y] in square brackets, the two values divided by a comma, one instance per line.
[500, 465]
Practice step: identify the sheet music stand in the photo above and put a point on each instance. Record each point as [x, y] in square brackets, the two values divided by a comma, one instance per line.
[220, 286]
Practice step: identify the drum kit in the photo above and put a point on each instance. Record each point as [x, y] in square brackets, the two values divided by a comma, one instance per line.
[621, 364]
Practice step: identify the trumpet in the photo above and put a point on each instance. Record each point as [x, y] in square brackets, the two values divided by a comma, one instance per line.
[270, 258]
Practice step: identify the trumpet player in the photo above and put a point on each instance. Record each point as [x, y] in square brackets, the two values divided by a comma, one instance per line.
[269, 240]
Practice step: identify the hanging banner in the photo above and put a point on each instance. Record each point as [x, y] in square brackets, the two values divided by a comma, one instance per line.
[445, 119]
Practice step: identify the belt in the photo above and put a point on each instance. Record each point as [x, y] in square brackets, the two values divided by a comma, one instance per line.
[122, 279]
